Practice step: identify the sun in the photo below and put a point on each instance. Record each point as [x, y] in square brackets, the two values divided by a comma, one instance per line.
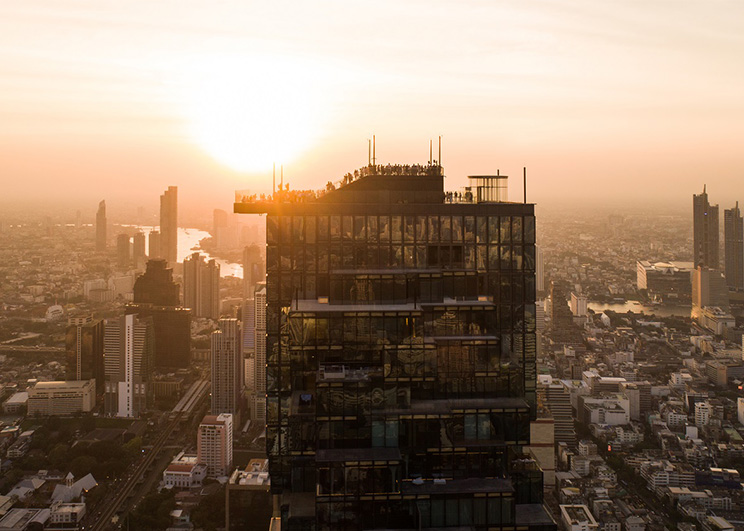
[250, 112]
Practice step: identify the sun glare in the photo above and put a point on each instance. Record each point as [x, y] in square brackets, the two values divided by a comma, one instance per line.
[251, 112]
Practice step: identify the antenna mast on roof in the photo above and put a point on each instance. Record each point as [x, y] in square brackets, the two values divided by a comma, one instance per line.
[273, 182]
[374, 159]
[440, 151]
[430, 156]
[369, 152]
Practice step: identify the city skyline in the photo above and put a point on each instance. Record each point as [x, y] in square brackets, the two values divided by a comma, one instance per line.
[597, 100]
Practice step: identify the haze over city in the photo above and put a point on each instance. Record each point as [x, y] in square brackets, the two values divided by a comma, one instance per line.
[600, 100]
[371, 266]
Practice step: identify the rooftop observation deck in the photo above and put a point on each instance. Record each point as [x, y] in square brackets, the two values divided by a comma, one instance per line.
[391, 183]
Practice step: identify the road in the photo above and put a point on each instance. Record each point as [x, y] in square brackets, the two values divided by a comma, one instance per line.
[121, 495]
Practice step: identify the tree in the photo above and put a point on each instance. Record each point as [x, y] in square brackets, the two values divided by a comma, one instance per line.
[210, 513]
[59, 456]
[83, 465]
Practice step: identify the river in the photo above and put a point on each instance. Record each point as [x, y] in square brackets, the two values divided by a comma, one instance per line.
[188, 242]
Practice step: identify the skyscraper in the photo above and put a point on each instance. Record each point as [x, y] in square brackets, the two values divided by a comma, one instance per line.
[214, 444]
[400, 351]
[539, 270]
[705, 231]
[128, 348]
[156, 285]
[227, 365]
[123, 251]
[708, 290]
[156, 295]
[138, 250]
[101, 222]
[153, 245]
[733, 231]
[258, 405]
[169, 225]
[201, 286]
[254, 269]
[84, 350]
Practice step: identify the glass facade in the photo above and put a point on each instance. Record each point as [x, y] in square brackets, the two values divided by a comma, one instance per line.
[400, 357]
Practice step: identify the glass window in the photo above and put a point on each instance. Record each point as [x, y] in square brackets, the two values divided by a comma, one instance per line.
[493, 229]
[493, 257]
[446, 228]
[360, 232]
[517, 229]
[529, 229]
[322, 228]
[505, 223]
[482, 236]
[310, 229]
[272, 229]
[396, 226]
[335, 228]
[421, 228]
[347, 230]
[298, 229]
[482, 257]
[469, 229]
[517, 257]
[433, 228]
[408, 229]
[457, 229]
[372, 232]
[384, 228]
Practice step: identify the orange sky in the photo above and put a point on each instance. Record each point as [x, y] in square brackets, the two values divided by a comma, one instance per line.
[601, 100]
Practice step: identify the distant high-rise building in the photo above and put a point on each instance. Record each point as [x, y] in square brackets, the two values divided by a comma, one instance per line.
[227, 365]
[84, 350]
[156, 295]
[123, 251]
[400, 354]
[101, 228]
[254, 269]
[219, 221]
[258, 406]
[128, 348]
[171, 331]
[708, 290]
[156, 285]
[579, 304]
[169, 225]
[560, 313]
[539, 270]
[201, 286]
[214, 444]
[153, 245]
[733, 230]
[705, 231]
[138, 250]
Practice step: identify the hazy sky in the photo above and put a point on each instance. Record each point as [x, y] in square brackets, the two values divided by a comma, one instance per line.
[608, 100]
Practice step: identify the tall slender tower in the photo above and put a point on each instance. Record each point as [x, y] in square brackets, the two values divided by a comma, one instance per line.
[201, 286]
[227, 363]
[84, 350]
[138, 250]
[705, 231]
[101, 227]
[128, 348]
[169, 225]
[733, 231]
[258, 407]
[401, 354]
